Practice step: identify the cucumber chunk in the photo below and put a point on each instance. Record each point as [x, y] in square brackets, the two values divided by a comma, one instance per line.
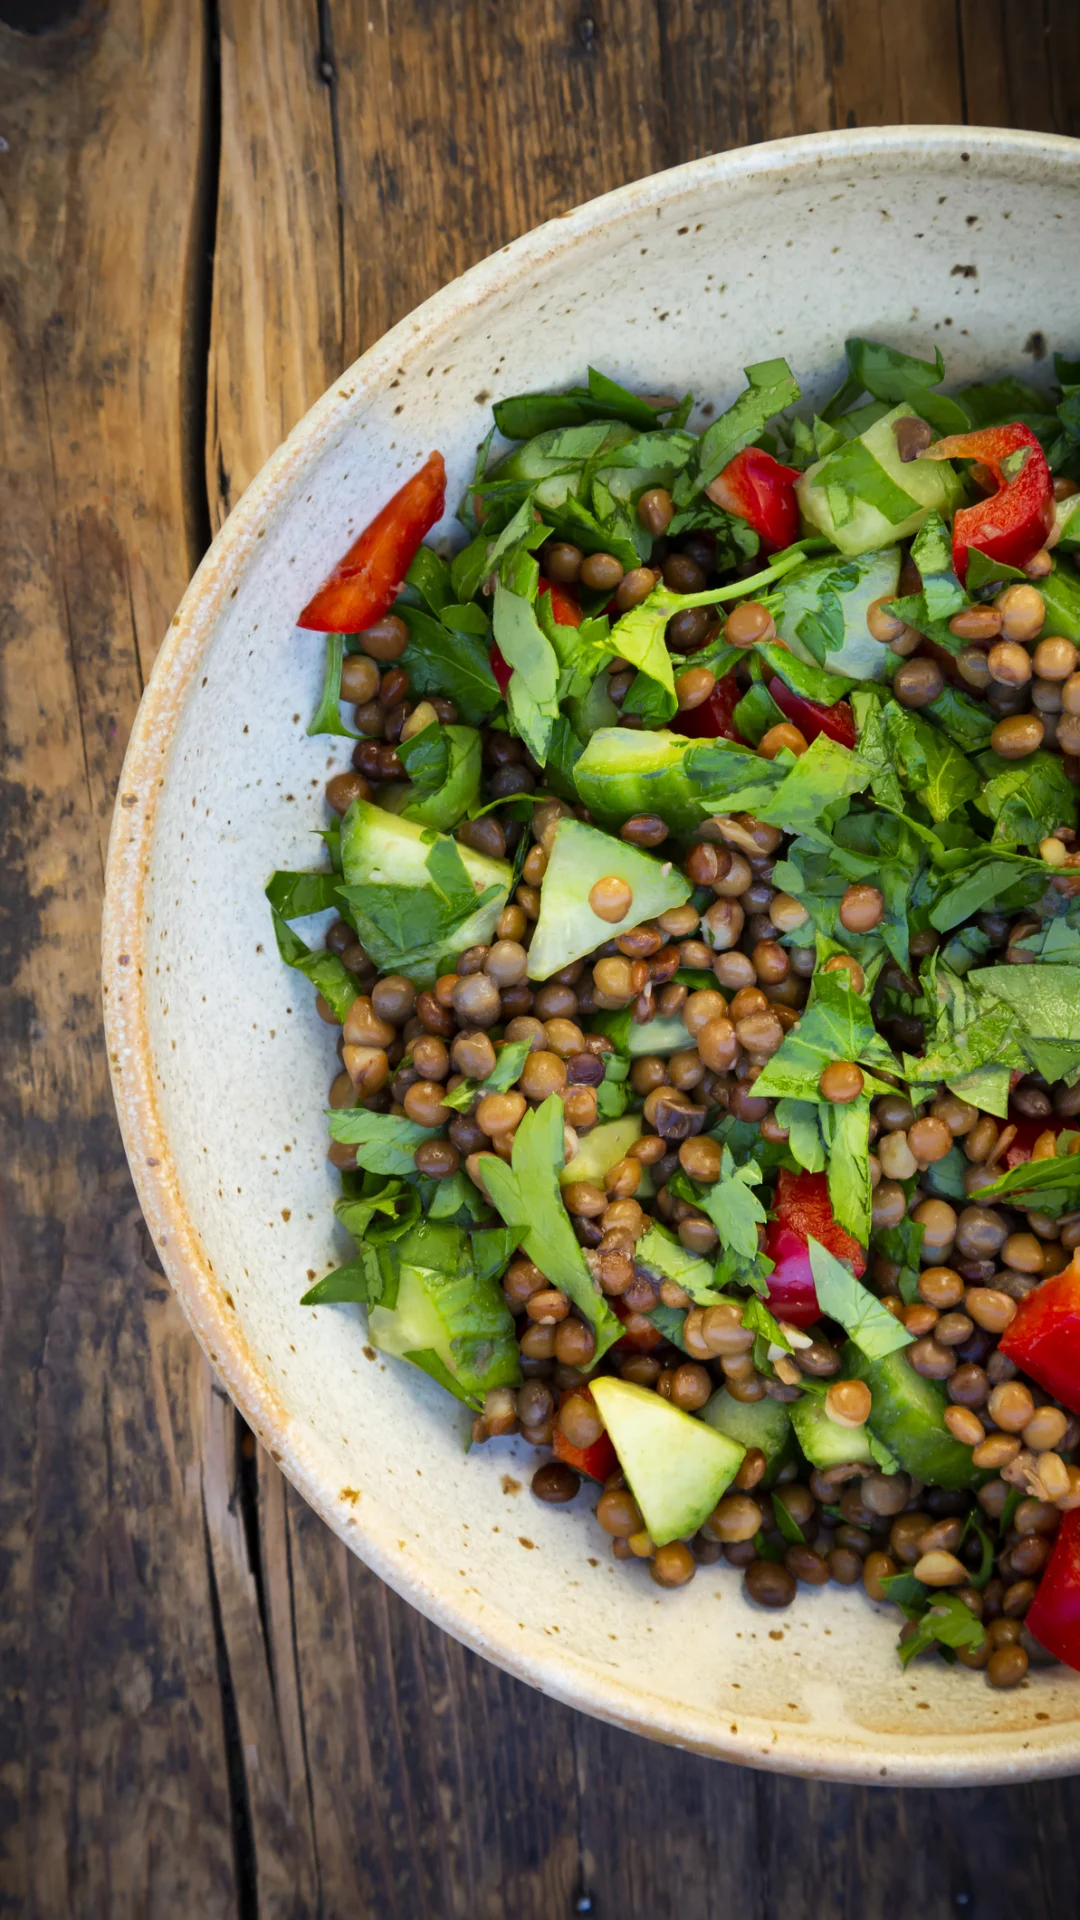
[622, 772]
[876, 577]
[754, 1423]
[677, 1466]
[931, 484]
[825, 1442]
[908, 1417]
[664, 1034]
[581, 855]
[601, 1150]
[380, 848]
[444, 1308]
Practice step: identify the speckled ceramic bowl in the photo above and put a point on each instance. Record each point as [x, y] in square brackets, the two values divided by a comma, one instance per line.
[926, 236]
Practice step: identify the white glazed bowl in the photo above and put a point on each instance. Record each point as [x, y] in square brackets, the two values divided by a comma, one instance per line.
[922, 236]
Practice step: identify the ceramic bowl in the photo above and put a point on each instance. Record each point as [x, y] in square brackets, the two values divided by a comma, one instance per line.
[928, 237]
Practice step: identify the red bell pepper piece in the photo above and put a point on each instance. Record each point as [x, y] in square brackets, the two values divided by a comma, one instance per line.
[1015, 521]
[599, 1460]
[1027, 1132]
[712, 720]
[366, 583]
[564, 611]
[813, 716]
[1054, 1614]
[803, 1210]
[1044, 1338]
[757, 488]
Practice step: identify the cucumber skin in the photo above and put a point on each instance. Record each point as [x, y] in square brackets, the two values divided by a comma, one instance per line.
[916, 1432]
[755, 1423]
[812, 1425]
[616, 778]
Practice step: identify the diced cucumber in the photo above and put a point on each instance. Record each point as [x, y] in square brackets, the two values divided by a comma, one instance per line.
[622, 772]
[908, 1417]
[825, 1442]
[754, 1423]
[559, 458]
[601, 1150]
[580, 856]
[450, 802]
[932, 484]
[876, 578]
[380, 847]
[444, 1308]
[677, 1466]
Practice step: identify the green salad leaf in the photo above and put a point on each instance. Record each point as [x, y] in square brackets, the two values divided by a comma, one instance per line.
[384, 1142]
[327, 716]
[844, 1299]
[526, 1193]
[439, 660]
[295, 895]
[325, 971]
[426, 757]
[771, 388]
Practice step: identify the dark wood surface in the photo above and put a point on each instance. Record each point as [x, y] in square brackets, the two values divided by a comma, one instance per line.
[207, 208]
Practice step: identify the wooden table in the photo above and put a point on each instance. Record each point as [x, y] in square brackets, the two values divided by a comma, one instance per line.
[210, 1709]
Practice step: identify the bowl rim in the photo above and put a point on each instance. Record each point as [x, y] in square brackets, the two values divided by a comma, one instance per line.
[955, 1759]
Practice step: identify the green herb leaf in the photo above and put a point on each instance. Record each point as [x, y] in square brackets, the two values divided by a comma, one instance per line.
[325, 971]
[853, 472]
[789, 1527]
[836, 1024]
[1026, 799]
[295, 895]
[504, 1074]
[898, 378]
[946, 1622]
[426, 757]
[527, 1195]
[844, 1299]
[359, 1282]
[532, 696]
[846, 1132]
[761, 1322]
[384, 1142]
[454, 664]
[327, 716]
[804, 1132]
[1051, 1186]
[772, 387]
[431, 578]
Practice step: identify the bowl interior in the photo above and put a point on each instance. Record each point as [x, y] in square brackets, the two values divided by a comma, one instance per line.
[933, 239]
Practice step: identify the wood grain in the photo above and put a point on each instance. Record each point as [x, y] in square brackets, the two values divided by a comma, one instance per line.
[206, 1705]
[115, 1781]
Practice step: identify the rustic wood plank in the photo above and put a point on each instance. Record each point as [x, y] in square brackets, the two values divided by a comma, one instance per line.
[895, 64]
[1021, 64]
[276, 328]
[114, 1765]
[756, 70]
[462, 126]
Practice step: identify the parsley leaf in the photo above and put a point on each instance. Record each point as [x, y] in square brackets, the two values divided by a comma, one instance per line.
[837, 1024]
[947, 1622]
[532, 696]
[505, 1072]
[384, 1142]
[426, 757]
[527, 1195]
[325, 971]
[327, 716]
[295, 895]
[772, 387]
[1026, 799]
[897, 378]
[844, 1299]
[1050, 1185]
[941, 595]
[455, 664]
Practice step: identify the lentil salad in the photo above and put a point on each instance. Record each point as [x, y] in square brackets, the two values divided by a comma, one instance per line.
[693, 1120]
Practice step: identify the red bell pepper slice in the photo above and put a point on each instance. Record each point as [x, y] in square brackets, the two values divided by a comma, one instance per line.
[803, 1210]
[713, 719]
[1015, 521]
[813, 716]
[365, 584]
[1027, 1132]
[1054, 1614]
[1044, 1338]
[564, 611]
[598, 1461]
[640, 1336]
[757, 488]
